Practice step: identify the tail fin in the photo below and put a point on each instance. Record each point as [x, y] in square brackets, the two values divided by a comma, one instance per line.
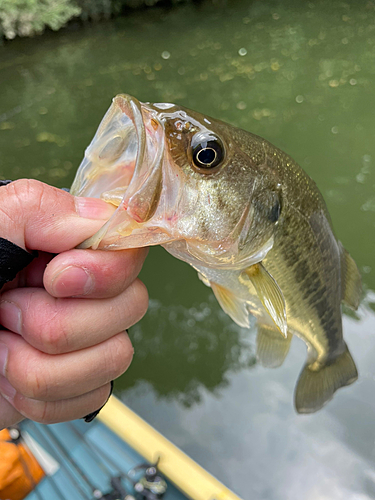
[316, 388]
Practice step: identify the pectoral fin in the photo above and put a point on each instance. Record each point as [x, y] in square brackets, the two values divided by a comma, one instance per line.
[272, 349]
[350, 279]
[203, 279]
[269, 294]
[232, 305]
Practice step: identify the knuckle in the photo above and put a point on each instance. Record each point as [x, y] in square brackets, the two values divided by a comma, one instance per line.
[53, 339]
[138, 303]
[26, 194]
[118, 356]
[22, 199]
[102, 395]
[48, 412]
[39, 411]
[32, 381]
[37, 384]
[48, 332]
[93, 400]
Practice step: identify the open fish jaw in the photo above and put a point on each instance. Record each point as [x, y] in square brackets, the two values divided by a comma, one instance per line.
[110, 159]
[123, 166]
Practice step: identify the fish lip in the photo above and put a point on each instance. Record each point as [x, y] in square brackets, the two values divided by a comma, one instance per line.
[105, 167]
[143, 195]
[133, 109]
[132, 180]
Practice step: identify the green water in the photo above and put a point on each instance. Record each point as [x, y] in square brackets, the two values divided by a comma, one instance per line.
[302, 75]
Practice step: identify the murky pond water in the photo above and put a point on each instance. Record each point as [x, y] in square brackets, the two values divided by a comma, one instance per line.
[302, 75]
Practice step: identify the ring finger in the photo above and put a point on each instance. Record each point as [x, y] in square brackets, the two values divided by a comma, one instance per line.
[35, 375]
[57, 326]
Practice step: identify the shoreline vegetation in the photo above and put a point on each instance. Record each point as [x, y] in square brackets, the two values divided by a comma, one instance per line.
[26, 18]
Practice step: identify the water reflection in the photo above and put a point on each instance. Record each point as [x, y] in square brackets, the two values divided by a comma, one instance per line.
[328, 455]
[182, 352]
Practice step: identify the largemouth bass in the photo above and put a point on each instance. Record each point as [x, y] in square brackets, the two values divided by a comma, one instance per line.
[244, 215]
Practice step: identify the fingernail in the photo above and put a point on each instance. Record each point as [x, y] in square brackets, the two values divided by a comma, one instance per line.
[11, 316]
[72, 281]
[3, 358]
[6, 389]
[92, 208]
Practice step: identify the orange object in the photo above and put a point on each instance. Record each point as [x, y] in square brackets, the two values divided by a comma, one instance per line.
[19, 469]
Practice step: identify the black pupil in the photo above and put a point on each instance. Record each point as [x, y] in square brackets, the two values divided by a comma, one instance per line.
[206, 156]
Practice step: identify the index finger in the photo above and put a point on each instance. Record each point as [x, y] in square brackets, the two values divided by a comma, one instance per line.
[36, 216]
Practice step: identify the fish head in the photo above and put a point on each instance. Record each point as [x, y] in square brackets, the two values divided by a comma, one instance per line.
[198, 186]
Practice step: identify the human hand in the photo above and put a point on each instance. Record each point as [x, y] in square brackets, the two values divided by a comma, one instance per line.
[63, 317]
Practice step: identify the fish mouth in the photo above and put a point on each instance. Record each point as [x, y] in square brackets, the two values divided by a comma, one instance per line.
[116, 149]
[123, 166]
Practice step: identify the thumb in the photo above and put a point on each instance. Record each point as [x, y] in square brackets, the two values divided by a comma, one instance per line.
[36, 216]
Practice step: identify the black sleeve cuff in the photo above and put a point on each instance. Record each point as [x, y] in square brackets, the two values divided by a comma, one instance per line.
[12, 257]
[90, 417]
[4, 183]
[12, 260]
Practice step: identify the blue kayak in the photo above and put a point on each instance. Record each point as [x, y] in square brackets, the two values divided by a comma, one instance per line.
[117, 457]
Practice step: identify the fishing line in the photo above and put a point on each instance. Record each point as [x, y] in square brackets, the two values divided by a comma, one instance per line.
[62, 463]
[103, 453]
[70, 459]
[104, 457]
[97, 454]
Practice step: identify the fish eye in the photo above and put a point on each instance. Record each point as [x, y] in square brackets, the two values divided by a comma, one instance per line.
[207, 153]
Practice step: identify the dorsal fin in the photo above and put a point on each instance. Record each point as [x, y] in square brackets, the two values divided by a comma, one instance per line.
[350, 279]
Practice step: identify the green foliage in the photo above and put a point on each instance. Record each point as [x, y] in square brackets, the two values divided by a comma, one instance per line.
[28, 17]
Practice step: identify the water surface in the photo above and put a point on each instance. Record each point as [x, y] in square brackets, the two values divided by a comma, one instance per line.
[302, 75]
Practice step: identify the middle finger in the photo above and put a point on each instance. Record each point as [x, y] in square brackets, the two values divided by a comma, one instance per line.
[56, 326]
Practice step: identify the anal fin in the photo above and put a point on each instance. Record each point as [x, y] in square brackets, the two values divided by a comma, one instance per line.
[232, 305]
[272, 348]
